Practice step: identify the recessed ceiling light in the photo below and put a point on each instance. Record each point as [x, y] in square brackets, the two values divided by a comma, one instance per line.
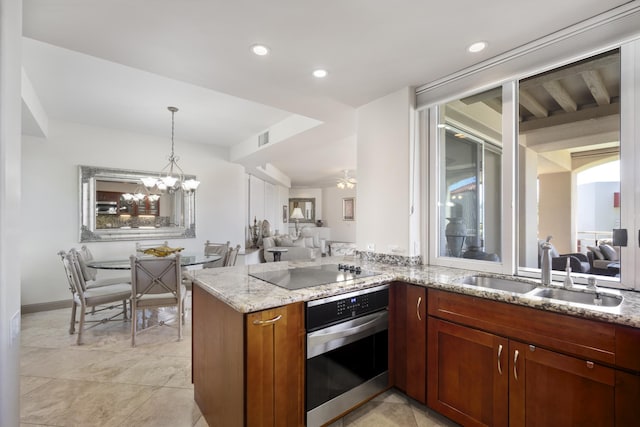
[320, 73]
[477, 47]
[260, 50]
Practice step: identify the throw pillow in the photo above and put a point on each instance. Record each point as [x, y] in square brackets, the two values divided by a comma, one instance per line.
[308, 242]
[269, 242]
[609, 253]
[284, 241]
[311, 232]
[299, 243]
[597, 253]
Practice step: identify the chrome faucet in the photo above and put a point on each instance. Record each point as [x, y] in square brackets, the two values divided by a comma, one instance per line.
[591, 284]
[545, 262]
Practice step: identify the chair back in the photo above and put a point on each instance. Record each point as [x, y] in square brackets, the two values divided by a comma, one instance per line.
[70, 271]
[232, 257]
[77, 268]
[221, 249]
[150, 276]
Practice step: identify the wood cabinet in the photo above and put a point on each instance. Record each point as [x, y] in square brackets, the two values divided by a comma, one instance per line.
[275, 367]
[408, 340]
[248, 370]
[468, 378]
[497, 364]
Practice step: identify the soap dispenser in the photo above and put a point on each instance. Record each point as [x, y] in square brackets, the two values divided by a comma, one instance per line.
[568, 281]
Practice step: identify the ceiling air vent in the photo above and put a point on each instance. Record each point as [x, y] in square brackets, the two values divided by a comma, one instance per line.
[263, 139]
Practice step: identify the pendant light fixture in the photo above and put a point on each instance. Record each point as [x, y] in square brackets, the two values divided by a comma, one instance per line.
[172, 175]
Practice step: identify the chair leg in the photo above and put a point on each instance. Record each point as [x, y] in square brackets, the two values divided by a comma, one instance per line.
[134, 321]
[124, 309]
[180, 319]
[83, 309]
[72, 326]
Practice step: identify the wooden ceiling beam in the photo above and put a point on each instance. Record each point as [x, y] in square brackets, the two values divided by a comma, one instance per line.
[565, 118]
[530, 103]
[594, 82]
[561, 96]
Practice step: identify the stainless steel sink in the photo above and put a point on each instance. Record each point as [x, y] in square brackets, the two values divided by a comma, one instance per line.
[499, 284]
[588, 298]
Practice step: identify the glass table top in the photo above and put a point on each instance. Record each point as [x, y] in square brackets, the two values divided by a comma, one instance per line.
[186, 259]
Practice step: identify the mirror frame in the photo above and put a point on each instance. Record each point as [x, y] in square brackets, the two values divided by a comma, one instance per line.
[88, 175]
[303, 200]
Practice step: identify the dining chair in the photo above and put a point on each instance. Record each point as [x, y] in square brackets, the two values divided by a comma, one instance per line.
[104, 296]
[155, 283]
[90, 275]
[221, 249]
[232, 256]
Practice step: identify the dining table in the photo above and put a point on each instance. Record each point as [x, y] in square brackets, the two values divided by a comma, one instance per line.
[186, 260]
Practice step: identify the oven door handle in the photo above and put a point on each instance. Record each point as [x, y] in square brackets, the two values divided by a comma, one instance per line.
[372, 323]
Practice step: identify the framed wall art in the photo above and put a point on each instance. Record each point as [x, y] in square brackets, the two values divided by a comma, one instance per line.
[349, 209]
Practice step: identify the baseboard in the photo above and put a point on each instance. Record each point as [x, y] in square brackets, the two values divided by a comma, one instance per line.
[45, 306]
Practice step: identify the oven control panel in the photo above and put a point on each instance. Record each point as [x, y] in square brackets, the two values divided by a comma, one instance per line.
[326, 312]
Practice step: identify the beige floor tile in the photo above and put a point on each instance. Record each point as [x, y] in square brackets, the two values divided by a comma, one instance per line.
[28, 384]
[381, 414]
[70, 402]
[53, 363]
[201, 423]
[167, 407]
[182, 378]
[428, 418]
[152, 370]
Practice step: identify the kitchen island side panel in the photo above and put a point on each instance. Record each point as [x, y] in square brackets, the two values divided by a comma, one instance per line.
[218, 360]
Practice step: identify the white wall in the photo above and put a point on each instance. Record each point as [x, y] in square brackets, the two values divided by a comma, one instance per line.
[50, 202]
[266, 201]
[341, 231]
[383, 189]
[10, 109]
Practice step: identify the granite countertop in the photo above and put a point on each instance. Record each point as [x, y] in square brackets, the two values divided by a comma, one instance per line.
[246, 294]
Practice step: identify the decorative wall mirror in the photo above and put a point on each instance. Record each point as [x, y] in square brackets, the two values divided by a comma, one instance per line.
[114, 205]
[307, 206]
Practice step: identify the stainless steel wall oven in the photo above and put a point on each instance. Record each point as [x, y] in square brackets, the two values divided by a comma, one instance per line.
[347, 352]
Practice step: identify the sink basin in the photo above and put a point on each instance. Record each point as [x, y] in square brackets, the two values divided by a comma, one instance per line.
[588, 298]
[499, 284]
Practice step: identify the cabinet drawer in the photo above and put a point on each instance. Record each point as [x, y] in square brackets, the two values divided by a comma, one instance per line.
[585, 338]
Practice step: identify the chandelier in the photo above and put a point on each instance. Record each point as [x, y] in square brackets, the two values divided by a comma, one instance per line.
[172, 175]
[346, 182]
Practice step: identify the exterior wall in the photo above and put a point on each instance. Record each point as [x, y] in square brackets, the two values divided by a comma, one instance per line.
[50, 197]
[383, 191]
[555, 210]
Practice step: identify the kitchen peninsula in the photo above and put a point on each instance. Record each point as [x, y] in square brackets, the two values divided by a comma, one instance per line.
[249, 346]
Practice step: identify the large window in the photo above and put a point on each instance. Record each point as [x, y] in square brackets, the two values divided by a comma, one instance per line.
[553, 156]
[570, 123]
[469, 152]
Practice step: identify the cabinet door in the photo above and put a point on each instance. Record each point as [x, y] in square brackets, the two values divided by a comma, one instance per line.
[408, 343]
[468, 377]
[416, 327]
[275, 367]
[550, 389]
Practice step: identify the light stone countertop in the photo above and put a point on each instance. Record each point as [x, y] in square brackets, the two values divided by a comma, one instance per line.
[246, 294]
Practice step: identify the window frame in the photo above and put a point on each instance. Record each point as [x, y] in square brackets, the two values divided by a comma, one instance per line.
[427, 115]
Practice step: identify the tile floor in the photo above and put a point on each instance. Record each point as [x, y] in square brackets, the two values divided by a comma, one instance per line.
[105, 382]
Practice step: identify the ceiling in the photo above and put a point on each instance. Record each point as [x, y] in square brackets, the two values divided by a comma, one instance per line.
[119, 64]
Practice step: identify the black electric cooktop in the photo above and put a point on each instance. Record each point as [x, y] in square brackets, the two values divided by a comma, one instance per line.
[305, 277]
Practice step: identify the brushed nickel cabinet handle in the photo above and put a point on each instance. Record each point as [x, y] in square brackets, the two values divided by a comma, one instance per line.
[418, 308]
[267, 322]
[589, 364]
[515, 364]
[500, 359]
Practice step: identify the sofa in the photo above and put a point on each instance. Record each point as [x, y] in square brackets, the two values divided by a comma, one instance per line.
[604, 259]
[578, 261]
[307, 246]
